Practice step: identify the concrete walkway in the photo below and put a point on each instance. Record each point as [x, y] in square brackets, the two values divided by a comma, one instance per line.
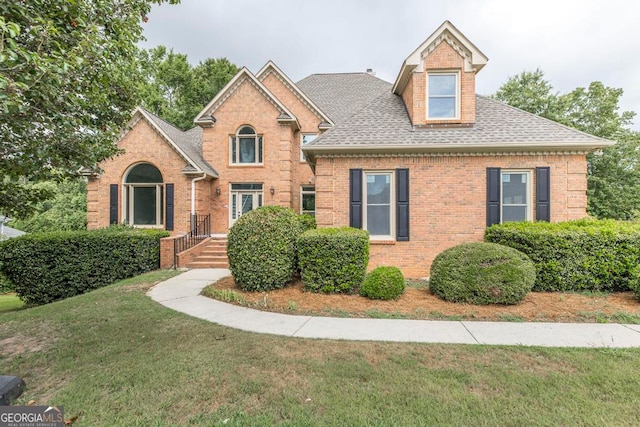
[182, 293]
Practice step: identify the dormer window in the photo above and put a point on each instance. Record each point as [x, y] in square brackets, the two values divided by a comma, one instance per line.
[246, 147]
[443, 96]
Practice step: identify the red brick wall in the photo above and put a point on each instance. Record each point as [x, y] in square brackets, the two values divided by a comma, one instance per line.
[141, 144]
[447, 199]
[444, 58]
[281, 168]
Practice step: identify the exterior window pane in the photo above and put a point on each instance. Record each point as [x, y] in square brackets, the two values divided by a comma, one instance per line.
[514, 213]
[378, 204]
[307, 138]
[379, 220]
[515, 196]
[247, 150]
[442, 95]
[308, 203]
[247, 203]
[378, 189]
[442, 107]
[144, 205]
[444, 84]
[514, 188]
[143, 173]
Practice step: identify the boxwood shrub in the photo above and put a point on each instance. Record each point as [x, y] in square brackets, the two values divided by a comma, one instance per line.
[261, 247]
[383, 283]
[482, 273]
[596, 255]
[46, 267]
[333, 259]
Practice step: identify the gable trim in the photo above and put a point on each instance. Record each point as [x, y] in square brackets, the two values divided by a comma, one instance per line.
[447, 32]
[271, 68]
[244, 75]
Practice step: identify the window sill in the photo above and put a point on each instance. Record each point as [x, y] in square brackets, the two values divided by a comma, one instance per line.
[246, 165]
[382, 242]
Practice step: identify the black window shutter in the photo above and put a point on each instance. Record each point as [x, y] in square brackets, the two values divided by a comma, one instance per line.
[543, 194]
[402, 205]
[169, 202]
[493, 196]
[355, 198]
[113, 204]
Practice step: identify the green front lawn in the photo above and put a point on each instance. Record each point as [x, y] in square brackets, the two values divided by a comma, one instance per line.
[10, 302]
[120, 359]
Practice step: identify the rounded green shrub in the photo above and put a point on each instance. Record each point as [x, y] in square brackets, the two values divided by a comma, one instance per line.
[333, 259]
[383, 283]
[482, 273]
[261, 247]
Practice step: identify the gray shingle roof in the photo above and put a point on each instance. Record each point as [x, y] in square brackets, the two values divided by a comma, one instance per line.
[342, 95]
[384, 122]
[190, 142]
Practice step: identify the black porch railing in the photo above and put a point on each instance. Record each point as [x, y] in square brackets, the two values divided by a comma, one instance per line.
[200, 230]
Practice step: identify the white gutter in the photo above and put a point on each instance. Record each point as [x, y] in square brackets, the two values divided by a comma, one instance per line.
[193, 192]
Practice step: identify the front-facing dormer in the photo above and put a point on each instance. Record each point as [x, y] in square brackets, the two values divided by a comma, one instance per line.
[437, 81]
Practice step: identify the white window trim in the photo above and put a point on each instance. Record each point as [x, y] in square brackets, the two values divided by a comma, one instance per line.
[455, 73]
[303, 192]
[302, 135]
[529, 204]
[235, 139]
[392, 203]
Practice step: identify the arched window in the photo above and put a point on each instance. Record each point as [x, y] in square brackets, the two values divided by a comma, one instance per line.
[246, 146]
[143, 199]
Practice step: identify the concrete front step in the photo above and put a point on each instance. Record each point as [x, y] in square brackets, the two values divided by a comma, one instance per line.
[207, 264]
[213, 255]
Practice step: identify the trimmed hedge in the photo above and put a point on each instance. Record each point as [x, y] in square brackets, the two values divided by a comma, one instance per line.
[383, 283]
[261, 247]
[307, 222]
[46, 267]
[596, 255]
[482, 273]
[333, 259]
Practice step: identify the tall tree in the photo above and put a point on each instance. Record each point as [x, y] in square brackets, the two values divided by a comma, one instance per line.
[613, 174]
[177, 91]
[66, 87]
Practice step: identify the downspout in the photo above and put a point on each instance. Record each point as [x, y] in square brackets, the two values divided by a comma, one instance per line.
[193, 192]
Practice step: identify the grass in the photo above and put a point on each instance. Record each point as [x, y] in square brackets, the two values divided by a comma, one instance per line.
[10, 302]
[120, 359]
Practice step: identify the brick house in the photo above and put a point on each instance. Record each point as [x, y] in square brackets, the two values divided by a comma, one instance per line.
[423, 164]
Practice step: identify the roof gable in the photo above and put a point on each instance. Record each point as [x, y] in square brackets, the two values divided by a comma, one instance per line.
[206, 117]
[186, 144]
[271, 68]
[448, 33]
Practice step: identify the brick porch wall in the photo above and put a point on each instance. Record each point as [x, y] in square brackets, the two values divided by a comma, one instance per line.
[447, 199]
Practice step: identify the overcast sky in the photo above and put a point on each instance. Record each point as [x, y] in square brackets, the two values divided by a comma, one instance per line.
[573, 42]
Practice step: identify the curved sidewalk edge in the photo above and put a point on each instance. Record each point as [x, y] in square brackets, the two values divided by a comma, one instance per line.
[182, 293]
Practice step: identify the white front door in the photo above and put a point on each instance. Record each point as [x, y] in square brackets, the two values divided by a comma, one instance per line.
[244, 198]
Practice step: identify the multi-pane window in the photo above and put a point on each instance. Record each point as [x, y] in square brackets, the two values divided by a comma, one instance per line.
[143, 197]
[516, 196]
[308, 200]
[305, 139]
[443, 96]
[378, 215]
[246, 147]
